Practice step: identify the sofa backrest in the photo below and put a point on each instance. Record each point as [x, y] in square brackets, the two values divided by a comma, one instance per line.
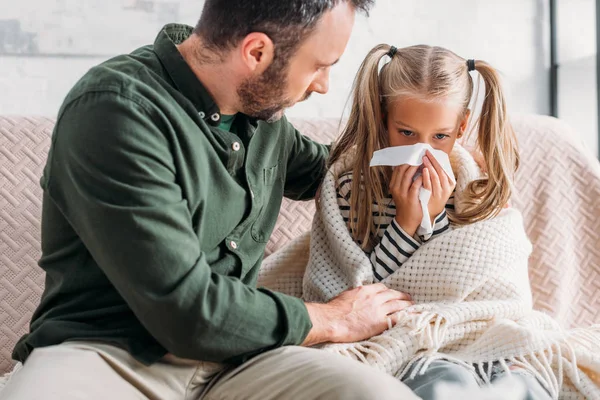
[558, 190]
[24, 144]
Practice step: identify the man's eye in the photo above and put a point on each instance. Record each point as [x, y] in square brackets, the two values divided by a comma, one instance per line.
[441, 136]
[406, 133]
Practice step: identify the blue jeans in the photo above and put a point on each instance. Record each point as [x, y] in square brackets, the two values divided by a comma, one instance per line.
[445, 371]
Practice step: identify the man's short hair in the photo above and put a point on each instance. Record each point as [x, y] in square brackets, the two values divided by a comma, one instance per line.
[224, 23]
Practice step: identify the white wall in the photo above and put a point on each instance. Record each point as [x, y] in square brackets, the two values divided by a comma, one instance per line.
[498, 32]
[58, 40]
[577, 68]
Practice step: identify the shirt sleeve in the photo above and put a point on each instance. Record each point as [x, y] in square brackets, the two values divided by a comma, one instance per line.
[394, 248]
[307, 165]
[112, 174]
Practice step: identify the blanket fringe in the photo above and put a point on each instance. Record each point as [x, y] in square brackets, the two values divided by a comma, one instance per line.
[573, 359]
[482, 373]
[420, 363]
[545, 371]
[432, 328]
[357, 354]
[367, 350]
[548, 365]
[372, 348]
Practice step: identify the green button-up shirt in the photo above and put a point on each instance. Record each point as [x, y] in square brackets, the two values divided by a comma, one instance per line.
[155, 220]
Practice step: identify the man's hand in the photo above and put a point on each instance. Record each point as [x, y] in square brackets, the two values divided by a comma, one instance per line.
[355, 314]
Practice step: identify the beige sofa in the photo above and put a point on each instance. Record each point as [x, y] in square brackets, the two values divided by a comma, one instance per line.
[557, 189]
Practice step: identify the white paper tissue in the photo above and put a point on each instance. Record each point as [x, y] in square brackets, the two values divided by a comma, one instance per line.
[413, 155]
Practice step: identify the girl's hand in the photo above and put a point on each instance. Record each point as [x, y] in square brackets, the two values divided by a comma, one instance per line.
[438, 183]
[405, 193]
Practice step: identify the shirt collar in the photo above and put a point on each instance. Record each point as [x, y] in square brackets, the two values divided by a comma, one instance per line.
[181, 74]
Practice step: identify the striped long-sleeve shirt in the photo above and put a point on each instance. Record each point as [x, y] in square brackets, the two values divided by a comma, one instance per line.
[395, 246]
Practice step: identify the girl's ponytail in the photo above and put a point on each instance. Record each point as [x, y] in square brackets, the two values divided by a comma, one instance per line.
[362, 136]
[498, 144]
[366, 108]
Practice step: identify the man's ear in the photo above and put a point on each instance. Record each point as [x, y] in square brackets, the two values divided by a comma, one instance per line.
[258, 52]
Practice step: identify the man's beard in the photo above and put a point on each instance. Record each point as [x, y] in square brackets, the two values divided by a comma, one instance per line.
[263, 97]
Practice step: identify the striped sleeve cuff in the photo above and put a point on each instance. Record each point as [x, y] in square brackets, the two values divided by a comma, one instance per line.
[441, 225]
[394, 249]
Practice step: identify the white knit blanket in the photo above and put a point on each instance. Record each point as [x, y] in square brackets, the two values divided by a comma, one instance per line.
[473, 299]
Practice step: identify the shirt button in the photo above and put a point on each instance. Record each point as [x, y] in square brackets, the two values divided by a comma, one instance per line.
[202, 115]
[233, 245]
[215, 117]
[235, 146]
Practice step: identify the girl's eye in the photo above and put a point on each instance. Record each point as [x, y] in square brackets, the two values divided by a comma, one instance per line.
[406, 133]
[441, 136]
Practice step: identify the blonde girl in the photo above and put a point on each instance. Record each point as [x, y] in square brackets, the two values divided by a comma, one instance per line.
[422, 95]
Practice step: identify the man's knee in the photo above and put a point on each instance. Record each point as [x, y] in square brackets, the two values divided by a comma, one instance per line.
[343, 378]
[296, 372]
[61, 373]
[369, 384]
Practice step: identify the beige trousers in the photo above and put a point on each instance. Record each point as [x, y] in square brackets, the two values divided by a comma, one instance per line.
[96, 371]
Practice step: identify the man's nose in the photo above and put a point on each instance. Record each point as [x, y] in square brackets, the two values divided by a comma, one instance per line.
[321, 83]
